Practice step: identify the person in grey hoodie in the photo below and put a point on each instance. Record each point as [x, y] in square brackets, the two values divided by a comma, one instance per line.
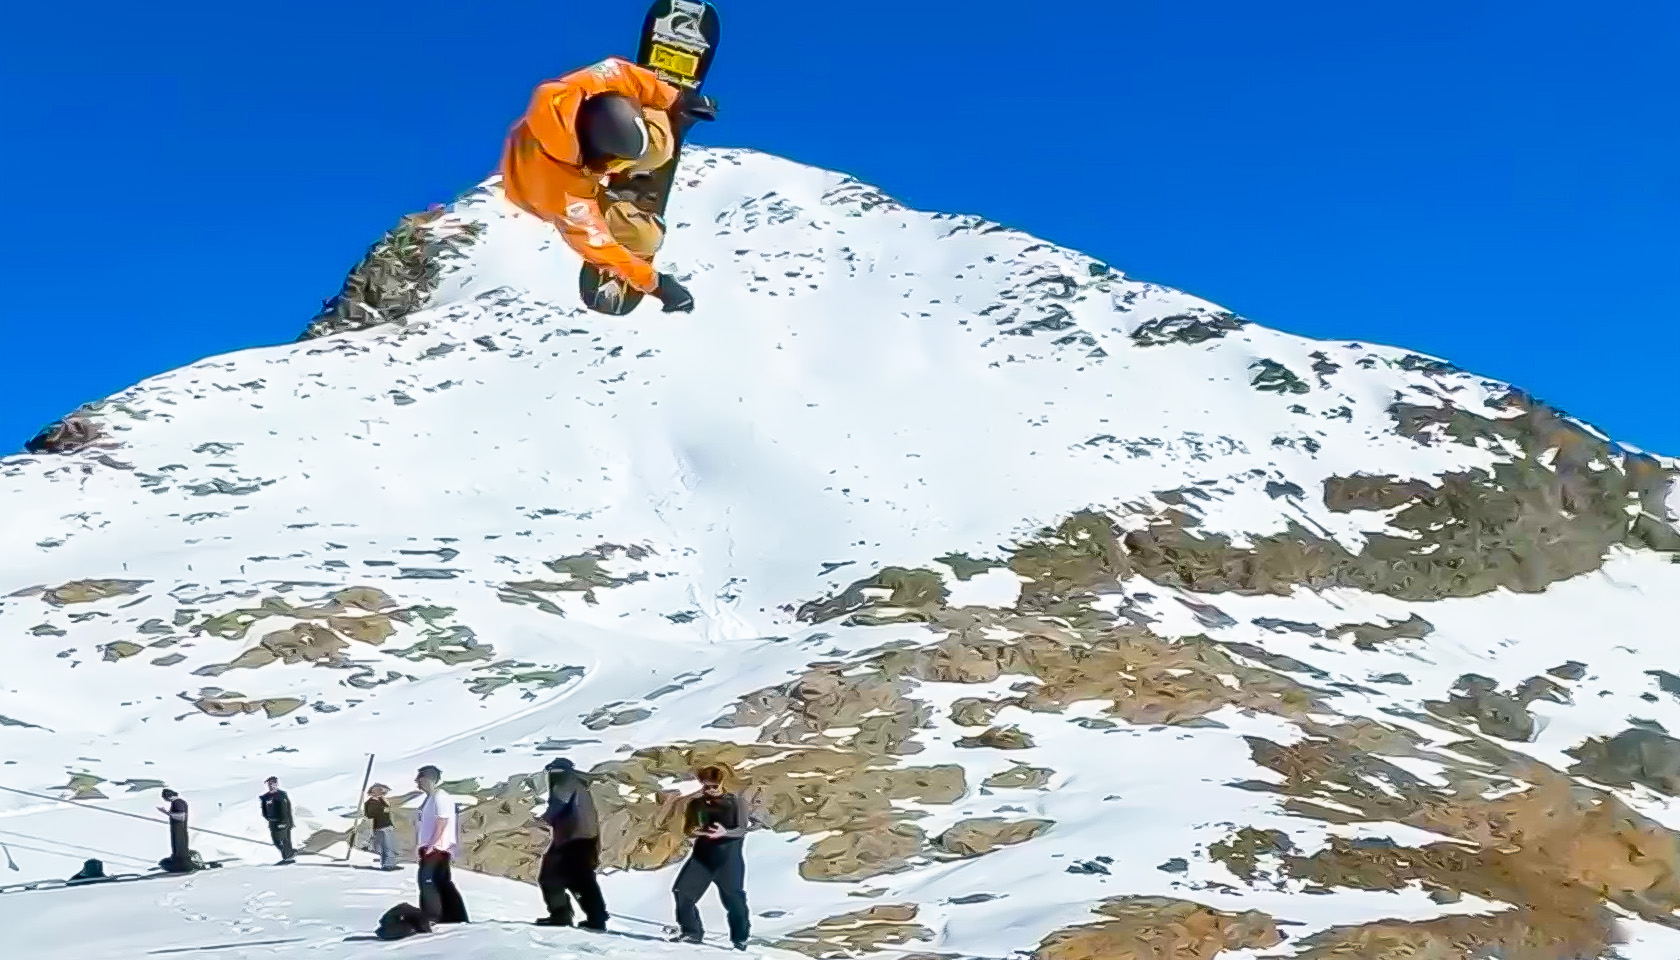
[574, 851]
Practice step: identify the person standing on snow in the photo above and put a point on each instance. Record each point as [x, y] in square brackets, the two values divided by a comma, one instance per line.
[277, 810]
[590, 133]
[717, 822]
[574, 851]
[175, 808]
[440, 839]
[378, 812]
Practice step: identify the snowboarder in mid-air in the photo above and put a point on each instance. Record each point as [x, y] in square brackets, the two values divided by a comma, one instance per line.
[576, 157]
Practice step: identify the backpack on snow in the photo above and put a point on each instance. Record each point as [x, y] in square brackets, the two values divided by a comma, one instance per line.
[403, 920]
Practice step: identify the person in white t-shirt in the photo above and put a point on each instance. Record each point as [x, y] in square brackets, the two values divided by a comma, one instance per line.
[439, 841]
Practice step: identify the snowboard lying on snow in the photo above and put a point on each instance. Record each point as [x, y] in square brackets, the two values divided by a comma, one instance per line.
[679, 39]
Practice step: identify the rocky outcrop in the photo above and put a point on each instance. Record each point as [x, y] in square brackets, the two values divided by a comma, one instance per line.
[894, 595]
[1517, 934]
[1157, 928]
[368, 613]
[1198, 326]
[1504, 715]
[74, 432]
[85, 591]
[302, 643]
[1274, 377]
[1020, 777]
[397, 275]
[981, 835]
[1553, 510]
[862, 931]
[584, 574]
[120, 650]
[1645, 757]
[999, 738]
[230, 705]
[1366, 636]
[1546, 842]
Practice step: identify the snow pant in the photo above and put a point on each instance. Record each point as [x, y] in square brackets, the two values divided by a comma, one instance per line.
[281, 834]
[439, 900]
[570, 868]
[728, 870]
[180, 857]
[640, 232]
[385, 844]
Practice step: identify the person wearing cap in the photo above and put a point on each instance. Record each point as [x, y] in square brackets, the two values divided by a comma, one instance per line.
[717, 822]
[378, 811]
[440, 839]
[277, 810]
[574, 851]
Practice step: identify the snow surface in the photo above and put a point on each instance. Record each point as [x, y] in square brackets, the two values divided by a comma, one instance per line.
[325, 912]
[847, 396]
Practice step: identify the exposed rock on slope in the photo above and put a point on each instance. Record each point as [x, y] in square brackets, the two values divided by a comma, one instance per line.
[397, 276]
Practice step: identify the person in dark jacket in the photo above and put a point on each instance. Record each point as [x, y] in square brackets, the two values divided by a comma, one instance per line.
[378, 811]
[93, 871]
[180, 857]
[277, 810]
[717, 822]
[574, 851]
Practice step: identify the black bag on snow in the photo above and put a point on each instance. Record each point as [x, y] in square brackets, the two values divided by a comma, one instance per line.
[402, 920]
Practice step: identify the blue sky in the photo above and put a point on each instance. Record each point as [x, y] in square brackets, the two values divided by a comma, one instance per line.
[1497, 183]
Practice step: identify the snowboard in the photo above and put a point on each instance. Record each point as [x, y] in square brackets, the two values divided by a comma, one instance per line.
[679, 40]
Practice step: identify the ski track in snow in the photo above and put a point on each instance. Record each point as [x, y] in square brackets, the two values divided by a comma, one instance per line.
[843, 394]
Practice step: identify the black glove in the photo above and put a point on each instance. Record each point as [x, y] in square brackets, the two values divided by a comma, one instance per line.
[692, 106]
[673, 295]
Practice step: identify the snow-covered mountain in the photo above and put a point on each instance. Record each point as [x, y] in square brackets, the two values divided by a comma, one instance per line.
[1035, 608]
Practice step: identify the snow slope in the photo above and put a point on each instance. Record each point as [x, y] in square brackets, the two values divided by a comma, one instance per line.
[320, 913]
[862, 386]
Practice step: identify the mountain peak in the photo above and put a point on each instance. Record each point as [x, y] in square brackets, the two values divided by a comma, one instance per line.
[995, 577]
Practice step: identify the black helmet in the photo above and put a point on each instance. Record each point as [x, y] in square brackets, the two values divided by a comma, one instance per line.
[610, 126]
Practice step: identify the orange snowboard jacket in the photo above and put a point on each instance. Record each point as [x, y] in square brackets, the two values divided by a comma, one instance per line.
[542, 163]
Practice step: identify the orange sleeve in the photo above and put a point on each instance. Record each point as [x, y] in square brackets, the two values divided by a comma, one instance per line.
[553, 111]
[638, 81]
[586, 232]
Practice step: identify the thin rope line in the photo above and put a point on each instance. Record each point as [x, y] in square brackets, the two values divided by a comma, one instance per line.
[136, 816]
[73, 846]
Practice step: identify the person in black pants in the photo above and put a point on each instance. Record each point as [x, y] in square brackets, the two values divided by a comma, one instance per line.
[277, 810]
[717, 823]
[574, 851]
[439, 840]
[180, 858]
